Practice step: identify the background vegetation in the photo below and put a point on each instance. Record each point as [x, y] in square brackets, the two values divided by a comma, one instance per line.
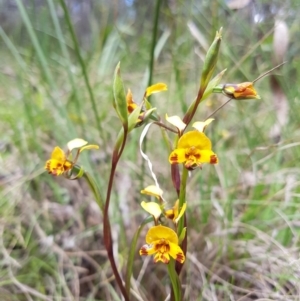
[56, 84]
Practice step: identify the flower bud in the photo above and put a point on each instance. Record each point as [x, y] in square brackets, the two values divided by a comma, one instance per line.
[210, 61]
[240, 91]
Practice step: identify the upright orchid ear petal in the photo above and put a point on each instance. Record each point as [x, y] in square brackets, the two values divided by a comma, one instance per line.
[182, 210]
[156, 88]
[76, 143]
[89, 146]
[153, 190]
[201, 125]
[152, 208]
[177, 122]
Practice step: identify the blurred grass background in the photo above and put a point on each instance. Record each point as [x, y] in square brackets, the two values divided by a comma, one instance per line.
[56, 68]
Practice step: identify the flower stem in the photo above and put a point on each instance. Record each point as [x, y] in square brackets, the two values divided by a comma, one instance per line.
[182, 194]
[95, 190]
[176, 286]
[132, 252]
[106, 222]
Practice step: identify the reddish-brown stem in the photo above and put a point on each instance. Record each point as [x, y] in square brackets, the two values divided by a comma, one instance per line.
[106, 223]
[188, 117]
[165, 126]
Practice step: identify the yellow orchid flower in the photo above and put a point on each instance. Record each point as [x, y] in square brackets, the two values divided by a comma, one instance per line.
[162, 242]
[61, 162]
[58, 163]
[194, 148]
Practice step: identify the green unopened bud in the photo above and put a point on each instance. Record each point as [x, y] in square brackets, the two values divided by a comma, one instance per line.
[210, 60]
[212, 85]
[120, 103]
[134, 118]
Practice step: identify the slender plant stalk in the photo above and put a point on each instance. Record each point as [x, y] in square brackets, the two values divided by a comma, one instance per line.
[181, 224]
[64, 50]
[153, 43]
[176, 287]
[95, 190]
[182, 195]
[82, 65]
[132, 251]
[42, 58]
[106, 222]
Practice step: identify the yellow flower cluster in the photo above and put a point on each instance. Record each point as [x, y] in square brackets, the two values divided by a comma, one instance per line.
[162, 241]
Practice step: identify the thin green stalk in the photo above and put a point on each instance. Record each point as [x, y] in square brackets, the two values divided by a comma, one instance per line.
[182, 221]
[20, 80]
[82, 65]
[93, 185]
[44, 66]
[153, 43]
[66, 55]
[182, 195]
[176, 286]
[132, 251]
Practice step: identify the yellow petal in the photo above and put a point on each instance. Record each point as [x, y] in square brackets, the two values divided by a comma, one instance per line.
[182, 210]
[194, 139]
[177, 156]
[177, 122]
[201, 125]
[176, 252]
[89, 146]
[161, 232]
[208, 156]
[76, 143]
[58, 154]
[152, 208]
[153, 190]
[156, 88]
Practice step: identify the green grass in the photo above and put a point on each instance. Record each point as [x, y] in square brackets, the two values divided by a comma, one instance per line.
[243, 214]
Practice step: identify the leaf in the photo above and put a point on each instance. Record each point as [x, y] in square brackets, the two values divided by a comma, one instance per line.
[120, 102]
